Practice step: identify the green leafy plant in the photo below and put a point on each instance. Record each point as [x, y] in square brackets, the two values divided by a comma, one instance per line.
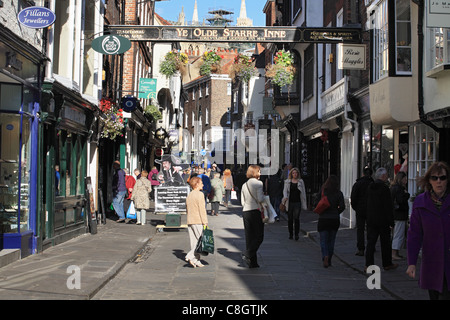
[211, 63]
[153, 111]
[173, 61]
[282, 71]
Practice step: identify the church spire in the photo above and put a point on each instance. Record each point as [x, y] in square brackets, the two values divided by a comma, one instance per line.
[243, 21]
[195, 16]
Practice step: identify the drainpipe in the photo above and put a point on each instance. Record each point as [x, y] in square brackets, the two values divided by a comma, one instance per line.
[422, 115]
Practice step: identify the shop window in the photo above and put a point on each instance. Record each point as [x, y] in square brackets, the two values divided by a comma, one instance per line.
[380, 41]
[422, 148]
[71, 161]
[403, 34]
[439, 47]
[10, 97]
[14, 173]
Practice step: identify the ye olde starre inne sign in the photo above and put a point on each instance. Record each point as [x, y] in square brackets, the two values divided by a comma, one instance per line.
[236, 34]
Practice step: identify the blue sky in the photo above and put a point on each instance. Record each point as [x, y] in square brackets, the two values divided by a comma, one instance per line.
[170, 9]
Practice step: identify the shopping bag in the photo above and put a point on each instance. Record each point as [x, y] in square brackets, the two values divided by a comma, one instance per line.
[131, 212]
[205, 243]
[270, 212]
[323, 204]
[233, 195]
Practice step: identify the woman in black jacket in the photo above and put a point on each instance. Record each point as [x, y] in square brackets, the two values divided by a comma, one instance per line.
[329, 220]
[401, 208]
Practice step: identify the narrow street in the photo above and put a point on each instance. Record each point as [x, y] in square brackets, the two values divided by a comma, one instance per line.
[289, 270]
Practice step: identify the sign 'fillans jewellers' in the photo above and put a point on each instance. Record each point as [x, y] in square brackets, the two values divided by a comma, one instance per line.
[36, 17]
[236, 34]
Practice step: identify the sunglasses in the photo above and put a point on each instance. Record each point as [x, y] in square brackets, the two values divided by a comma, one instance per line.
[436, 178]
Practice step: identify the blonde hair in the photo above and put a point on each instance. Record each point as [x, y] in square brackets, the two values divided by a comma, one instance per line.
[292, 170]
[252, 171]
[194, 182]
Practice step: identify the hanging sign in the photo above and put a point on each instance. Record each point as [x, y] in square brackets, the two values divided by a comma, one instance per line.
[147, 88]
[36, 17]
[129, 103]
[111, 44]
[438, 14]
[352, 56]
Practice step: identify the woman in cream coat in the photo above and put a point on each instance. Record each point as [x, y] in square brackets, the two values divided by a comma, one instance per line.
[196, 219]
[294, 198]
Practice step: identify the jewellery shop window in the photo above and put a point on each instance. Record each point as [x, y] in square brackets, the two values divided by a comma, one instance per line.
[70, 168]
[14, 172]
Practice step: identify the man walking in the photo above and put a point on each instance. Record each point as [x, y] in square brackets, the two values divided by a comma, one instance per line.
[119, 190]
[359, 204]
[380, 220]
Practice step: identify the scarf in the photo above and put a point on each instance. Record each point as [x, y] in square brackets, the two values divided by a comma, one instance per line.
[438, 201]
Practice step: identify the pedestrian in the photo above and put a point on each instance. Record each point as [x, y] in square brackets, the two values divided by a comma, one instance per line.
[252, 199]
[228, 184]
[119, 190]
[400, 199]
[275, 185]
[206, 182]
[329, 220]
[358, 200]
[153, 177]
[294, 198]
[141, 197]
[239, 181]
[196, 219]
[380, 220]
[129, 184]
[429, 232]
[218, 191]
[214, 169]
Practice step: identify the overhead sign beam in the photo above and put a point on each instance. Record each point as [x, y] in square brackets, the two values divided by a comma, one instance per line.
[236, 34]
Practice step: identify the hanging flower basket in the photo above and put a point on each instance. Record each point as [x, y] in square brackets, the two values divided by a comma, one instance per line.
[282, 71]
[243, 68]
[112, 123]
[153, 111]
[211, 63]
[173, 61]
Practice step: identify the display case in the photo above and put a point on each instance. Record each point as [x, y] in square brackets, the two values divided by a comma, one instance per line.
[9, 192]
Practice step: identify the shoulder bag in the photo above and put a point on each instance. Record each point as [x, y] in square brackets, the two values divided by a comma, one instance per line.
[322, 205]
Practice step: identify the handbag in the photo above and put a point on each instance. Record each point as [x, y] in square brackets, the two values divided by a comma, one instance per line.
[233, 194]
[205, 244]
[322, 205]
[131, 212]
[282, 207]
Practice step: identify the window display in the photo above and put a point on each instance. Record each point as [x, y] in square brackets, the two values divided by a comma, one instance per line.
[14, 173]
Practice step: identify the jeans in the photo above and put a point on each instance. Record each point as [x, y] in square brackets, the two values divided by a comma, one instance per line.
[327, 240]
[118, 203]
[275, 202]
[360, 230]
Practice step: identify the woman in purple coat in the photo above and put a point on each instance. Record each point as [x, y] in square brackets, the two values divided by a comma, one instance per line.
[430, 231]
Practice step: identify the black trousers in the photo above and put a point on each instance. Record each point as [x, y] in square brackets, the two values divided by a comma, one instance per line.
[373, 232]
[360, 231]
[254, 233]
[436, 295]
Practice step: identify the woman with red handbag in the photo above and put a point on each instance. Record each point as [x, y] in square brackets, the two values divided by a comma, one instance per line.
[329, 219]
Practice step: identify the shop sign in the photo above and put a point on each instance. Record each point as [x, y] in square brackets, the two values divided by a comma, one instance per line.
[147, 88]
[352, 56]
[111, 44]
[36, 17]
[438, 13]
